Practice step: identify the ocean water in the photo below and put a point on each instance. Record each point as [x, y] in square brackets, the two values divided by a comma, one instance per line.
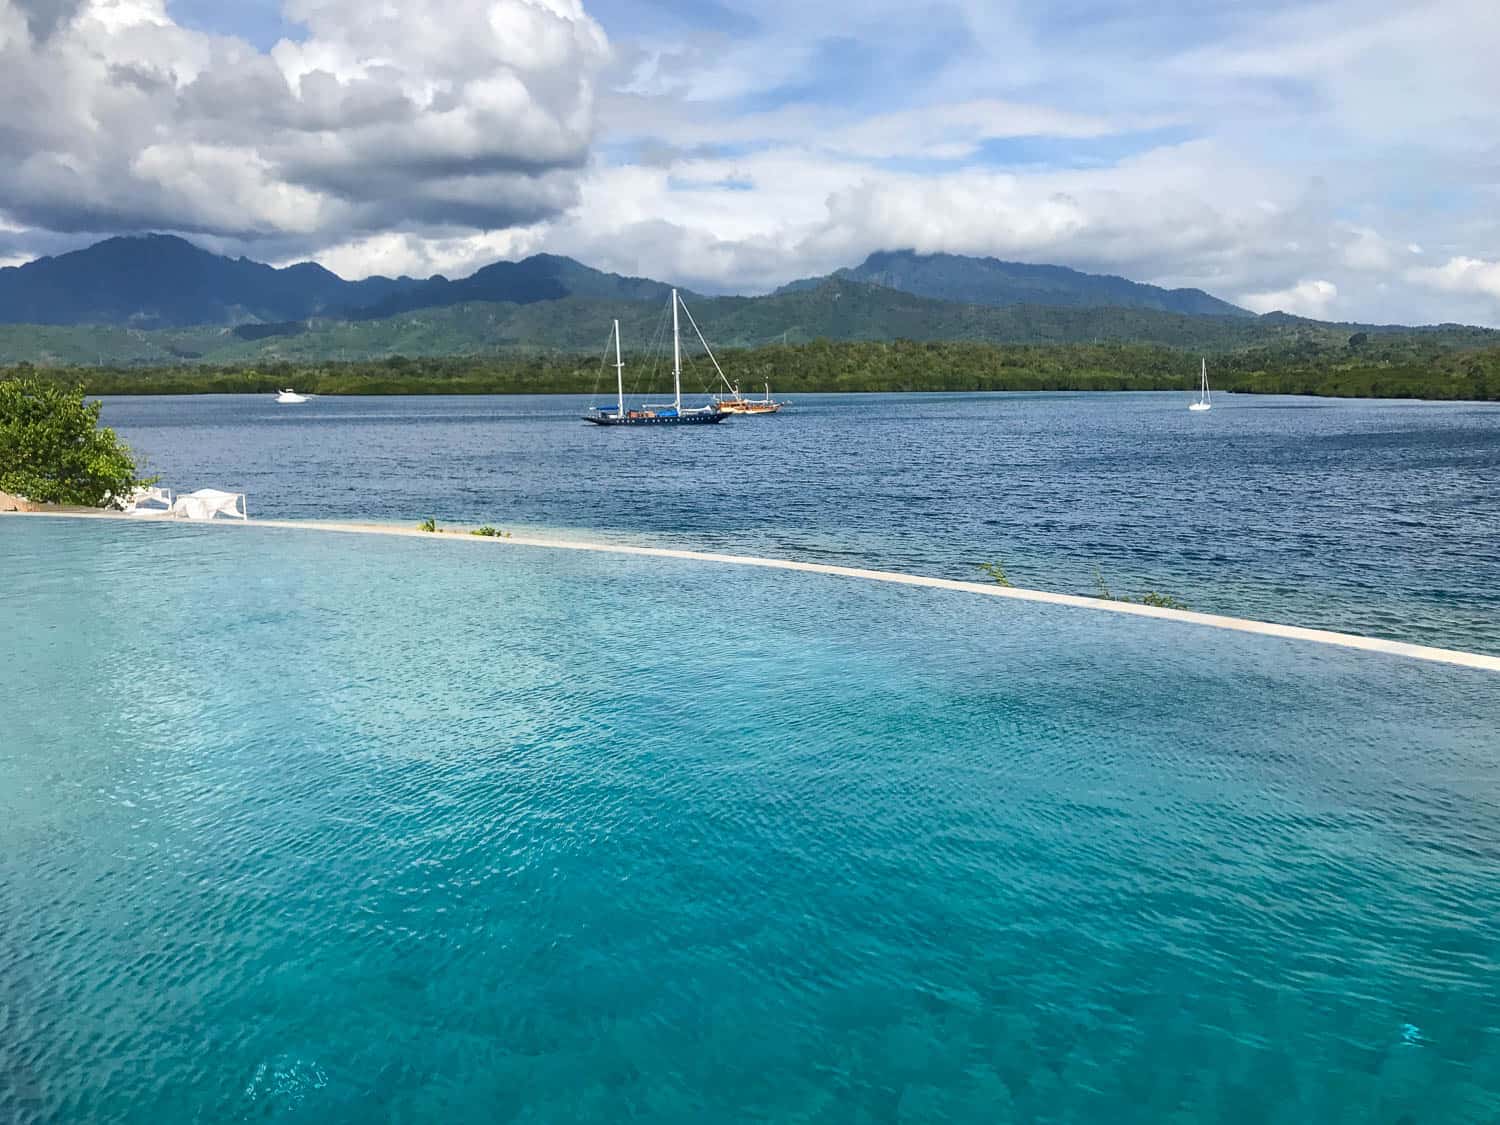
[322, 828]
[1380, 518]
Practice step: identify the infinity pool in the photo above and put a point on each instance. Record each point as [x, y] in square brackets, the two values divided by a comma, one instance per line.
[312, 827]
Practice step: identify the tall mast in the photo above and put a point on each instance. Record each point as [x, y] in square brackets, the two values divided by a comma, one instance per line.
[619, 373]
[676, 359]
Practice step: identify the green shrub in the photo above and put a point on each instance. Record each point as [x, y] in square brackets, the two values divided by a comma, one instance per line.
[53, 451]
[429, 524]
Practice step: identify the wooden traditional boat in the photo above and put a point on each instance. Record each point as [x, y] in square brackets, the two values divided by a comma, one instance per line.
[739, 404]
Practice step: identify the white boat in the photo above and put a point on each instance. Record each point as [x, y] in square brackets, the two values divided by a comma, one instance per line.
[1205, 401]
[290, 395]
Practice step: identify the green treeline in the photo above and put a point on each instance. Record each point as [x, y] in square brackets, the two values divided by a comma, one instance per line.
[1376, 367]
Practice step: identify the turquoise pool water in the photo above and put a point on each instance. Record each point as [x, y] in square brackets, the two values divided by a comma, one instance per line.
[306, 827]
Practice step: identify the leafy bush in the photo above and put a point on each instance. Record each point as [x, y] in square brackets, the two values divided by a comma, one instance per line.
[429, 524]
[52, 449]
[490, 532]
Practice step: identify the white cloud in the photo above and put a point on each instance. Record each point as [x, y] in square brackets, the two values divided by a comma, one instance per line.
[446, 117]
[1364, 249]
[1306, 298]
[756, 220]
[951, 131]
[1460, 275]
[396, 253]
[1381, 70]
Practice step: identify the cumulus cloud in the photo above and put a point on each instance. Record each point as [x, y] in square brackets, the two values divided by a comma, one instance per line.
[1306, 298]
[1189, 214]
[1461, 275]
[461, 115]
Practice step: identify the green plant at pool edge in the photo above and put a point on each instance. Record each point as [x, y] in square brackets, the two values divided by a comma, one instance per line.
[1102, 588]
[996, 572]
[1150, 597]
[1161, 601]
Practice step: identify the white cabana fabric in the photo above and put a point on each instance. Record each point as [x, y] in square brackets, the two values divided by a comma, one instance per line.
[207, 503]
[135, 503]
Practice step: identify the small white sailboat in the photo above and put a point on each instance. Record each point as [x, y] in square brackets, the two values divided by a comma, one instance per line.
[1205, 400]
[290, 395]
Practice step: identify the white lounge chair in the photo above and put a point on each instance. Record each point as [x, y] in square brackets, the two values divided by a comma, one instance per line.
[136, 501]
[207, 503]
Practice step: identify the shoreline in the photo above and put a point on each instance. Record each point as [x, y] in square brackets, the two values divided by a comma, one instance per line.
[442, 392]
[1404, 649]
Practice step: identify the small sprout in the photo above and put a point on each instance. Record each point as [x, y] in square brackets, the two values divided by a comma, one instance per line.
[1102, 588]
[996, 572]
[429, 524]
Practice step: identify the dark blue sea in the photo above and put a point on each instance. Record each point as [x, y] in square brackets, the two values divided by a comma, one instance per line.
[1370, 517]
[319, 828]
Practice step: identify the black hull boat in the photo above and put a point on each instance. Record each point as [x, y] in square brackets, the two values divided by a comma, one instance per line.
[653, 418]
[660, 414]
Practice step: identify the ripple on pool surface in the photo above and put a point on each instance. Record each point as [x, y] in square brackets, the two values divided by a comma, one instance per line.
[347, 829]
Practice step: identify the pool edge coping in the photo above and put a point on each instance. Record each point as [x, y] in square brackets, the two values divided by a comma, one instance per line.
[1405, 649]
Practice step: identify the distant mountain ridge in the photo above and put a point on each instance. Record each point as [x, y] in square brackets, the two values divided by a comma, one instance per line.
[991, 281]
[836, 310]
[541, 277]
[161, 300]
[162, 281]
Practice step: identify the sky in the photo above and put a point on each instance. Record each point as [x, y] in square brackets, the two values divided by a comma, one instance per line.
[1337, 159]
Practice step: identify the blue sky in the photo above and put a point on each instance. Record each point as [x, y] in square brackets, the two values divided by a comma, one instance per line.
[1335, 159]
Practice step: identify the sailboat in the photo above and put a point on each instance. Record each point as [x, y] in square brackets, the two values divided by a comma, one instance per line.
[659, 414]
[1205, 401]
[737, 403]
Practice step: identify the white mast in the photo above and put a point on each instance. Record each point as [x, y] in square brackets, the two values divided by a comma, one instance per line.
[1202, 403]
[619, 373]
[676, 359]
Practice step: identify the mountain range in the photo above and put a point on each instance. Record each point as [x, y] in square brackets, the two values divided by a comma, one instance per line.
[160, 299]
[990, 281]
[161, 281]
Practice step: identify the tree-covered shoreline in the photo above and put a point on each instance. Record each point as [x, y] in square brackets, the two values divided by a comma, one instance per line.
[1371, 367]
